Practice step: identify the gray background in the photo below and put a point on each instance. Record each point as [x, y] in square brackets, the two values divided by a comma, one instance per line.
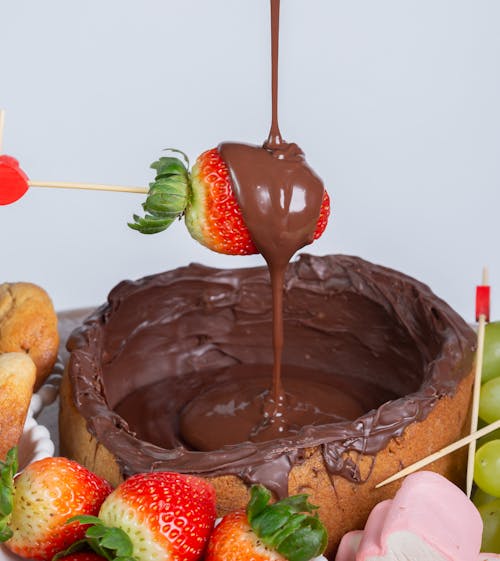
[396, 104]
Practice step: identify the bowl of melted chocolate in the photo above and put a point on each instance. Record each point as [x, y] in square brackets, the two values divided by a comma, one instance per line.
[175, 372]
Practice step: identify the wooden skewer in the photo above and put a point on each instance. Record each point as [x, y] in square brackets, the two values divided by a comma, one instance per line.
[440, 453]
[88, 186]
[476, 392]
[63, 185]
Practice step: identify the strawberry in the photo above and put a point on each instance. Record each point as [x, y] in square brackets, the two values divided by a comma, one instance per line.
[154, 516]
[81, 556]
[206, 199]
[268, 532]
[40, 500]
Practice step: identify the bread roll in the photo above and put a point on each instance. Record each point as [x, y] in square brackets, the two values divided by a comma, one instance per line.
[28, 324]
[17, 377]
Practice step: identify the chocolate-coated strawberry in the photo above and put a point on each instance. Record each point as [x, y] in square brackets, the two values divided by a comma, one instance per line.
[206, 199]
[160, 515]
[282, 531]
[35, 508]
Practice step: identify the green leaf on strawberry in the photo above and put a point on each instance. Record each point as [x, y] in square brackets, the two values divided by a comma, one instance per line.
[287, 525]
[168, 195]
[8, 470]
[150, 224]
[109, 542]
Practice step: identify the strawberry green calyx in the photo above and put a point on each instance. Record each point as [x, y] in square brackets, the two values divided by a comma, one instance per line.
[110, 543]
[287, 525]
[8, 470]
[168, 195]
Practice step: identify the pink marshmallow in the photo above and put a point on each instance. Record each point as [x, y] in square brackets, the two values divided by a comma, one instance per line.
[349, 546]
[429, 519]
[487, 556]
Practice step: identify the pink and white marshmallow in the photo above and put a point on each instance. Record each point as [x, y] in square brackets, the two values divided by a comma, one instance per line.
[429, 519]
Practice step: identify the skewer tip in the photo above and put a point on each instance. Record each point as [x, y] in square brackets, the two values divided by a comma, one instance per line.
[485, 276]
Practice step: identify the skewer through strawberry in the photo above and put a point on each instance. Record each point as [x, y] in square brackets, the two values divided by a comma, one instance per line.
[206, 198]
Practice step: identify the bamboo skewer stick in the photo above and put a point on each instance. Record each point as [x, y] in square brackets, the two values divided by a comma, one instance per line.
[476, 391]
[67, 185]
[88, 186]
[440, 453]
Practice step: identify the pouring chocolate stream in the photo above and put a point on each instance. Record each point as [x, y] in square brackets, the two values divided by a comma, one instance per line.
[280, 197]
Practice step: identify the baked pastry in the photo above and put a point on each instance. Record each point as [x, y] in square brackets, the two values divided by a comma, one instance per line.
[17, 377]
[28, 323]
[373, 335]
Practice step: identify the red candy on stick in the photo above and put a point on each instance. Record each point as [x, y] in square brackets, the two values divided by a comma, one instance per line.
[483, 302]
[482, 316]
[13, 180]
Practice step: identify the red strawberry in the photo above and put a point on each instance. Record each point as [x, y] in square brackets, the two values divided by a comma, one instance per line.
[81, 556]
[213, 216]
[45, 495]
[166, 516]
[234, 540]
[207, 200]
[13, 180]
[268, 532]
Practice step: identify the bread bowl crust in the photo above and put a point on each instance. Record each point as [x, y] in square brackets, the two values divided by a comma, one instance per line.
[343, 505]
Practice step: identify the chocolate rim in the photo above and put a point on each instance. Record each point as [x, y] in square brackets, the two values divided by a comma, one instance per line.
[408, 300]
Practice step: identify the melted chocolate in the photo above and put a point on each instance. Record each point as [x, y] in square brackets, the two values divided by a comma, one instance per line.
[214, 408]
[280, 199]
[357, 325]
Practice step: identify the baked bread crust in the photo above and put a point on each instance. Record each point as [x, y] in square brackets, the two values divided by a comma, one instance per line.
[344, 505]
[17, 377]
[28, 324]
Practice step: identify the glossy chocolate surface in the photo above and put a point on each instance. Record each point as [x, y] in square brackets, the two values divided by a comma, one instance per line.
[368, 331]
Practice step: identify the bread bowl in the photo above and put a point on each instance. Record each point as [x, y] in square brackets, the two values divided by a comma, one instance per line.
[342, 314]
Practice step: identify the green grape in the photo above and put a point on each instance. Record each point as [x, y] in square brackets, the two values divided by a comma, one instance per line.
[480, 498]
[489, 400]
[490, 513]
[491, 354]
[494, 435]
[487, 468]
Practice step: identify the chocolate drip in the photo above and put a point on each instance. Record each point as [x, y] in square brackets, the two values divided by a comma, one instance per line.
[280, 198]
[351, 322]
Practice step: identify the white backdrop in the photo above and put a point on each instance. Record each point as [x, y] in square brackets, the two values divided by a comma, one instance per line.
[395, 102]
